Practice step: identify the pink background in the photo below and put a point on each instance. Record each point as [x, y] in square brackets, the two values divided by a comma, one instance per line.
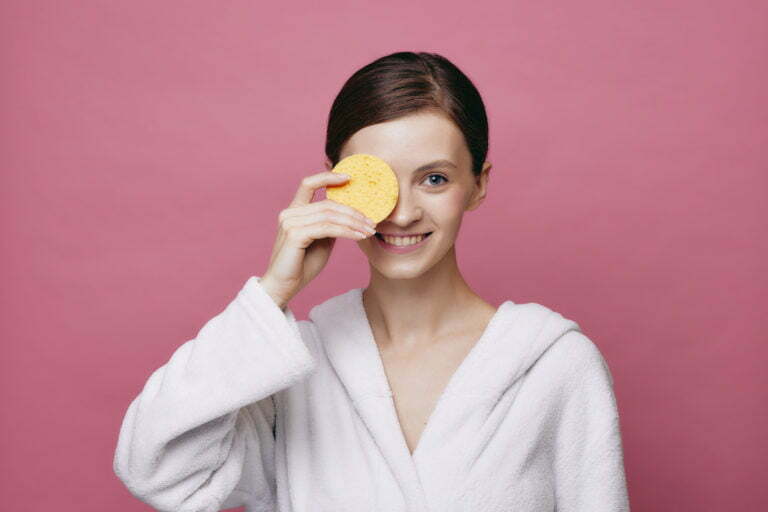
[147, 148]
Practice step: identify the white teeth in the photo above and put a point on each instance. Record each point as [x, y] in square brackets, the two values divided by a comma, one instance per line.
[403, 240]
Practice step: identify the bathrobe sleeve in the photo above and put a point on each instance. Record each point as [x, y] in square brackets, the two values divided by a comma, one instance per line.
[589, 467]
[200, 434]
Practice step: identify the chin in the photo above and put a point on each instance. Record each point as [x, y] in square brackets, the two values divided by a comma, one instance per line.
[401, 272]
[394, 266]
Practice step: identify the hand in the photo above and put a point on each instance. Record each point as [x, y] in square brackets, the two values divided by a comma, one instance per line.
[306, 235]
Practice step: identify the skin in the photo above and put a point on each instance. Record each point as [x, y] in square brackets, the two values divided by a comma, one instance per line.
[420, 300]
[424, 316]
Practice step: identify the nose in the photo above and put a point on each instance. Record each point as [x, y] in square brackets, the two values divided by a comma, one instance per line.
[407, 211]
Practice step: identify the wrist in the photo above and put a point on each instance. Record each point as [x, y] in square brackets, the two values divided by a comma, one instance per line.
[269, 288]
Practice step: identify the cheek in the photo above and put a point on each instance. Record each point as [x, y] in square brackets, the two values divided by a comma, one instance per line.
[446, 212]
[448, 209]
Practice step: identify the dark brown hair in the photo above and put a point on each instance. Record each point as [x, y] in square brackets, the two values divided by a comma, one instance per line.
[403, 83]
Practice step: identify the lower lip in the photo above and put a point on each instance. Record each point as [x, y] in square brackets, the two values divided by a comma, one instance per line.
[398, 249]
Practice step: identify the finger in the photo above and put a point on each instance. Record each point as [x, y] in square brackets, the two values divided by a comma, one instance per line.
[309, 184]
[329, 204]
[306, 234]
[330, 216]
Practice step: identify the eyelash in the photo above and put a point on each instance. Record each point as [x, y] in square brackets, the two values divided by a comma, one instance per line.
[440, 175]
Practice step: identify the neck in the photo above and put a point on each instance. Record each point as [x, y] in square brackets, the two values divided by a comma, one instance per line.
[413, 313]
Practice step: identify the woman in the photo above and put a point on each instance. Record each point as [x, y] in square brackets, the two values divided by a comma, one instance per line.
[413, 394]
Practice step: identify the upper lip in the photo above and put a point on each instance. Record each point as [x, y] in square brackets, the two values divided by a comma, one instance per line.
[406, 234]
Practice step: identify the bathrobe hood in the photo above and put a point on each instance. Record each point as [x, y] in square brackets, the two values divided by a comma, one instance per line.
[465, 417]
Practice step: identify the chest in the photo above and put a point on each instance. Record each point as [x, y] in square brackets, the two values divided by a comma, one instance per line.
[418, 379]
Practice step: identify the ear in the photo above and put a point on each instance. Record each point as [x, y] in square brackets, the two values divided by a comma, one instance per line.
[481, 187]
[328, 164]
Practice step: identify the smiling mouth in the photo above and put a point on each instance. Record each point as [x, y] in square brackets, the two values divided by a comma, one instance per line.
[381, 237]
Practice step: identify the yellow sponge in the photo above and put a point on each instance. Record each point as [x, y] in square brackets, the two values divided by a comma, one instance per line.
[372, 188]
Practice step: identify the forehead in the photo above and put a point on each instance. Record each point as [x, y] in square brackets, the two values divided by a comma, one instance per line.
[411, 141]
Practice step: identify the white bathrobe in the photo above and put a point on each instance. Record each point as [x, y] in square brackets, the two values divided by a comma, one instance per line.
[277, 414]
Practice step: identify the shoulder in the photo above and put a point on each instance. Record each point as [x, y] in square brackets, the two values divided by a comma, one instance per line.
[576, 361]
[563, 348]
[575, 377]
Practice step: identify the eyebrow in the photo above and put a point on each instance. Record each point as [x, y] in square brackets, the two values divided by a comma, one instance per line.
[435, 164]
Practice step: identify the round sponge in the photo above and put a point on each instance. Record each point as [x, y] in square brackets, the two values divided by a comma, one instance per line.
[372, 188]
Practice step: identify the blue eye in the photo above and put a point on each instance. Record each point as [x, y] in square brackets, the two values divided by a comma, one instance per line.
[439, 176]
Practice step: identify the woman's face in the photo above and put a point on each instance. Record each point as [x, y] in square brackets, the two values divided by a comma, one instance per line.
[431, 199]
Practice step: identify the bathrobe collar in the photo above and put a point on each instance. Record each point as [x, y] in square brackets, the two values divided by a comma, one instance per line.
[513, 340]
